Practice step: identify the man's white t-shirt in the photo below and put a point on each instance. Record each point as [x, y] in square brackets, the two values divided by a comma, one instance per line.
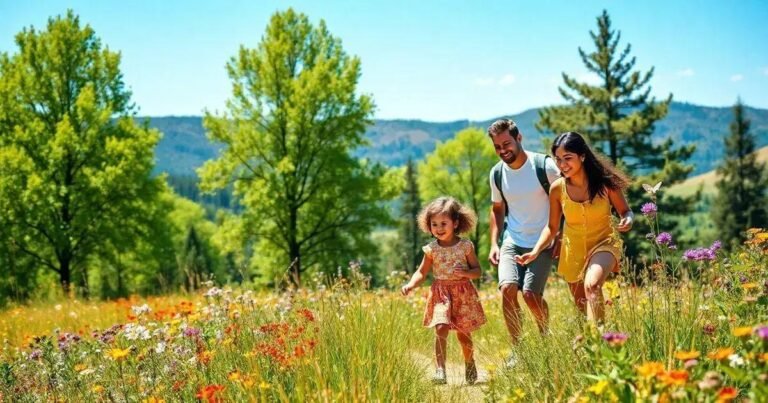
[528, 202]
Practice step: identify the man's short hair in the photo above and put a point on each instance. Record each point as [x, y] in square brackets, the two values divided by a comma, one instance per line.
[502, 125]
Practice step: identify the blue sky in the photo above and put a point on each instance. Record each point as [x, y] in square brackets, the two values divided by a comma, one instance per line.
[429, 60]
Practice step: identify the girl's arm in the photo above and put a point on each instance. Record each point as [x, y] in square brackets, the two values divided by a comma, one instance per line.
[619, 203]
[549, 232]
[419, 275]
[474, 266]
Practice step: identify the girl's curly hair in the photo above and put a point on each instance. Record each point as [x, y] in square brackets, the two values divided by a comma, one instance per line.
[451, 207]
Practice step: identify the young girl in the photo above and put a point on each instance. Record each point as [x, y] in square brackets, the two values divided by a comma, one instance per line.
[591, 248]
[453, 303]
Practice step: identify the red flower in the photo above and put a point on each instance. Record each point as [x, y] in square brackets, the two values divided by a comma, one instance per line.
[208, 393]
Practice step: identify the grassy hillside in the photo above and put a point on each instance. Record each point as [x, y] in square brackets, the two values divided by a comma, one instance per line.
[706, 181]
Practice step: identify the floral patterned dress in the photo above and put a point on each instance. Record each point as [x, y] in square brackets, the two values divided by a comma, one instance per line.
[452, 300]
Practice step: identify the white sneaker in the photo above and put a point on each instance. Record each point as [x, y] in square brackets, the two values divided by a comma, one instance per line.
[440, 378]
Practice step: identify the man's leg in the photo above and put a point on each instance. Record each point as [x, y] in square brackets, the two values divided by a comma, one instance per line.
[536, 276]
[510, 281]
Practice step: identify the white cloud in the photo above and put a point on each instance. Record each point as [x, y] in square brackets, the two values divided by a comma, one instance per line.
[482, 81]
[507, 80]
[686, 72]
[737, 77]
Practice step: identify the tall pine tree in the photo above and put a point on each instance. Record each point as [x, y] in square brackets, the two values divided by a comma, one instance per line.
[618, 115]
[411, 237]
[742, 189]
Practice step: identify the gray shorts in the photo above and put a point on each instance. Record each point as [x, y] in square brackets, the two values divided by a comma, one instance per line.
[532, 277]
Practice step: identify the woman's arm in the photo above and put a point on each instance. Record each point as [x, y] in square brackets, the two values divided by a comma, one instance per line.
[549, 232]
[619, 203]
[419, 276]
[474, 266]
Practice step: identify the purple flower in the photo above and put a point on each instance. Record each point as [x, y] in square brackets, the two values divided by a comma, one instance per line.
[665, 238]
[649, 209]
[762, 332]
[191, 332]
[716, 246]
[615, 338]
[35, 354]
[699, 254]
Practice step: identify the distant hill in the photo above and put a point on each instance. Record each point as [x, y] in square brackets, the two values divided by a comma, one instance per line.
[185, 147]
[707, 180]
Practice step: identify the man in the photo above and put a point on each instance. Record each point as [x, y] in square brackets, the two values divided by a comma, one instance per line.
[522, 202]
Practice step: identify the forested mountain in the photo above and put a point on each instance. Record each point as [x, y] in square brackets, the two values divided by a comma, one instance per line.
[184, 146]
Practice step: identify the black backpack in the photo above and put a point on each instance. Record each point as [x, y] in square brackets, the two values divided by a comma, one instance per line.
[540, 163]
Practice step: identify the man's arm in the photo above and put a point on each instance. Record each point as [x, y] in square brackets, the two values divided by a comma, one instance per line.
[496, 223]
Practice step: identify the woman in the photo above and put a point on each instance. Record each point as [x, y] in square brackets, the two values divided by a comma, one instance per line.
[591, 247]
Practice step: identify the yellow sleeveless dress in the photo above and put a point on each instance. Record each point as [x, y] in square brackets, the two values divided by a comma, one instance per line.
[589, 229]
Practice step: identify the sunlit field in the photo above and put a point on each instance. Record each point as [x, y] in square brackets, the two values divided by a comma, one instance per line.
[697, 334]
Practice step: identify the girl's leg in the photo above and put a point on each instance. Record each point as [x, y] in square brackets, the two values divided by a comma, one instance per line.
[579, 297]
[467, 348]
[441, 337]
[470, 369]
[600, 266]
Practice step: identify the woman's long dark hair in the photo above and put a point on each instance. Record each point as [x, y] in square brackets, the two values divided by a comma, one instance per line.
[601, 173]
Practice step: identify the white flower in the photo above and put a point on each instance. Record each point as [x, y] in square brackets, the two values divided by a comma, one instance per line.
[141, 310]
[160, 348]
[736, 360]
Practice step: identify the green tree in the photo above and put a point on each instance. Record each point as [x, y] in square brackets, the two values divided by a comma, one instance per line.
[460, 167]
[411, 237]
[618, 115]
[288, 131]
[743, 185]
[74, 165]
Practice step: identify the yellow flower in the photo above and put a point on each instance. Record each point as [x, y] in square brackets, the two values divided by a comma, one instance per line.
[80, 367]
[749, 286]
[599, 387]
[745, 331]
[153, 399]
[650, 369]
[762, 235]
[264, 385]
[519, 393]
[687, 355]
[234, 376]
[721, 353]
[118, 354]
[97, 389]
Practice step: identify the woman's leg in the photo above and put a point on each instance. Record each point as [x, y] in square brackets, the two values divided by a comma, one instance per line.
[441, 336]
[467, 348]
[600, 266]
[579, 298]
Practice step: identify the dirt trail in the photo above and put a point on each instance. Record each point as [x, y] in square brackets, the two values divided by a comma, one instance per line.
[456, 390]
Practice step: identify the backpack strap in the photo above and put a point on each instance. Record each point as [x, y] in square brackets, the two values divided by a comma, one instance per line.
[497, 181]
[540, 162]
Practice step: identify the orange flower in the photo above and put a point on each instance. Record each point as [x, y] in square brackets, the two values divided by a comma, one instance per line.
[687, 355]
[749, 286]
[727, 393]
[153, 399]
[721, 353]
[744, 331]
[674, 377]
[208, 393]
[205, 357]
[650, 369]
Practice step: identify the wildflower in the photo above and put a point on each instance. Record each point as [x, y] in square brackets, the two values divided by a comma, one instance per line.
[153, 399]
[141, 310]
[716, 246]
[599, 387]
[665, 238]
[711, 380]
[762, 332]
[721, 354]
[615, 339]
[674, 377]
[744, 331]
[264, 385]
[749, 286]
[234, 376]
[118, 354]
[208, 393]
[736, 360]
[80, 367]
[650, 369]
[97, 389]
[727, 393]
[687, 355]
[690, 363]
[191, 332]
[709, 329]
[649, 209]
